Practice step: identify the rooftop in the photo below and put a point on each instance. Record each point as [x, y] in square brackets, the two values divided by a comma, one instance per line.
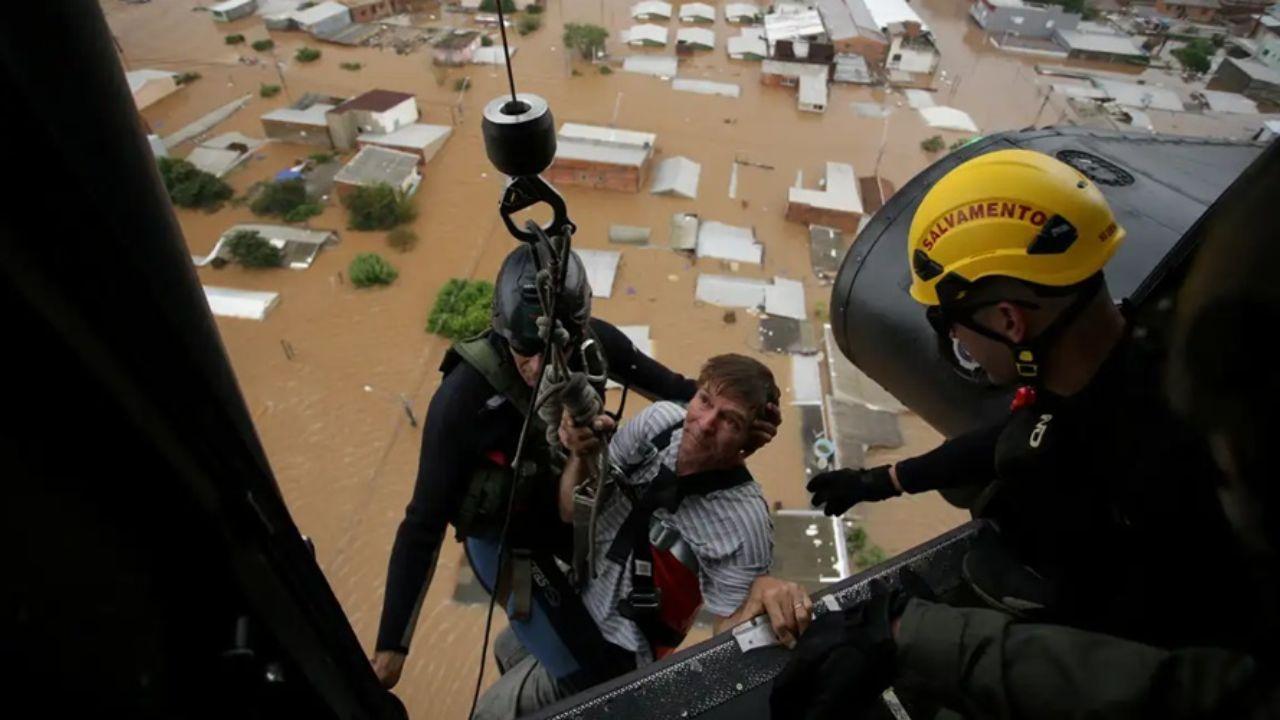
[701, 37]
[840, 192]
[792, 26]
[229, 5]
[1194, 3]
[313, 115]
[138, 78]
[734, 11]
[890, 12]
[374, 100]
[645, 33]
[1256, 70]
[316, 13]
[456, 40]
[374, 165]
[700, 11]
[651, 7]
[1099, 43]
[604, 145]
[745, 44]
[414, 135]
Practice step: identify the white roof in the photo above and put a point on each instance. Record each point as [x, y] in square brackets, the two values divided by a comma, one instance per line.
[728, 242]
[793, 69]
[323, 11]
[733, 11]
[645, 33]
[806, 380]
[684, 231]
[701, 37]
[706, 87]
[729, 291]
[314, 115]
[415, 135]
[840, 192]
[745, 44]
[651, 7]
[216, 156]
[602, 269]
[1100, 43]
[282, 233]
[229, 5]
[785, 298]
[139, 78]
[888, 12]
[1141, 96]
[1229, 102]
[663, 66]
[604, 145]
[247, 304]
[491, 55]
[789, 26]
[948, 118]
[374, 165]
[697, 11]
[919, 98]
[813, 90]
[676, 176]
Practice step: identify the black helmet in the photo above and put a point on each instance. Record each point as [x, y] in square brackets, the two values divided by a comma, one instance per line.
[515, 300]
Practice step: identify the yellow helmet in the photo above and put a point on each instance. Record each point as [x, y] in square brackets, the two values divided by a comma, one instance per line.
[1010, 213]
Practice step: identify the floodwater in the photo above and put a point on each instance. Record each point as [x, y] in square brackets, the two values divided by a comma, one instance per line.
[338, 440]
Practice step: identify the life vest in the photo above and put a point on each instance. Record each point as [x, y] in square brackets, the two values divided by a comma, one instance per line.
[665, 588]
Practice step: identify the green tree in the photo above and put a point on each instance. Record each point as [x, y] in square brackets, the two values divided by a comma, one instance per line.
[486, 41]
[268, 91]
[303, 212]
[252, 250]
[379, 207]
[320, 158]
[370, 269]
[191, 187]
[306, 55]
[351, 66]
[959, 144]
[279, 198]
[1193, 57]
[263, 45]
[528, 24]
[234, 39]
[462, 309]
[508, 6]
[606, 70]
[534, 9]
[587, 39]
[402, 238]
[187, 78]
[933, 144]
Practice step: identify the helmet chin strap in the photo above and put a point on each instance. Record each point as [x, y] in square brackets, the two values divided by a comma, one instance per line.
[1028, 355]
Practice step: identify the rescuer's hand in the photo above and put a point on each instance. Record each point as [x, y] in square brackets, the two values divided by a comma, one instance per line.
[841, 665]
[387, 665]
[584, 440]
[836, 491]
[763, 429]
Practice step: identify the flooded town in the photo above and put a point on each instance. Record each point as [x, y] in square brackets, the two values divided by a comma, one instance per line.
[718, 160]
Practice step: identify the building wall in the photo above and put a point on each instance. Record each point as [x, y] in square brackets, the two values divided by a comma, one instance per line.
[296, 133]
[377, 9]
[397, 117]
[844, 221]
[457, 56]
[873, 50]
[1033, 22]
[153, 91]
[1229, 78]
[1195, 13]
[594, 175]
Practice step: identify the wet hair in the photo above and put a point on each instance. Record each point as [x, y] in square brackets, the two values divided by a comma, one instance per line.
[744, 379]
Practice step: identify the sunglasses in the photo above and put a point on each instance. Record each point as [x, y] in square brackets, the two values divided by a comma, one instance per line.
[943, 318]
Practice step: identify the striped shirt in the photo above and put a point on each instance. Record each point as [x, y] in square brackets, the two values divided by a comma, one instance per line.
[728, 530]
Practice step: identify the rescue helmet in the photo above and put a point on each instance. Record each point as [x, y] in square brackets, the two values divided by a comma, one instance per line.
[1010, 213]
[516, 307]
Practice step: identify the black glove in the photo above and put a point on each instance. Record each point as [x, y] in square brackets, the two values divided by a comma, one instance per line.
[840, 490]
[842, 664]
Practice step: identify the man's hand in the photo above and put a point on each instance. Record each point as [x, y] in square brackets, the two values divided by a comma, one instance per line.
[787, 604]
[841, 665]
[836, 491]
[763, 429]
[584, 440]
[387, 665]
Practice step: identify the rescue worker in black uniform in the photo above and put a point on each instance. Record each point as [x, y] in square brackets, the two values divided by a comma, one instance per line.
[1091, 479]
[464, 479]
[985, 663]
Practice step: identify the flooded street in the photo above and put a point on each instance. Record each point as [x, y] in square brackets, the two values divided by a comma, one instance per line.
[330, 419]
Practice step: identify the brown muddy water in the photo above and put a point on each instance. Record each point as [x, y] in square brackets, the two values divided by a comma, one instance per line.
[338, 441]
